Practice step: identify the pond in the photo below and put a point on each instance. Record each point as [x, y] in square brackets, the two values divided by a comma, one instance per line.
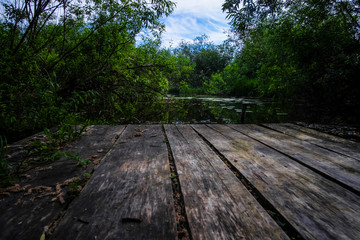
[205, 109]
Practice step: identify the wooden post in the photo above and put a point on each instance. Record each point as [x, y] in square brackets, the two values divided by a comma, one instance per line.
[243, 112]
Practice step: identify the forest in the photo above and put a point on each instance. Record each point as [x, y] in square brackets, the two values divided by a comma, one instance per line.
[67, 62]
[83, 157]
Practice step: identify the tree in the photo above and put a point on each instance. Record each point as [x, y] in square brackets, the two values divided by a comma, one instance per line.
[246, 14]
[300, 50]
[205, 57]
[65, 59]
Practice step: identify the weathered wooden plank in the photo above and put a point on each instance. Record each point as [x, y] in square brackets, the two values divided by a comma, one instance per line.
[318, 134]
[315, 206]
[217, 205]
[327, 141]
[339, 167]
[24, 215]
[129, 195]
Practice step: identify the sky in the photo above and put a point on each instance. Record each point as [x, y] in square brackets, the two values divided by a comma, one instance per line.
[192, 18]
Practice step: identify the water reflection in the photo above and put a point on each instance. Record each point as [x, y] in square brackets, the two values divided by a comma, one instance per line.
[209, 110]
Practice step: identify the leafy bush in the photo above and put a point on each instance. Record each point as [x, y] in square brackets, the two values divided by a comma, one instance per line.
[77, 60]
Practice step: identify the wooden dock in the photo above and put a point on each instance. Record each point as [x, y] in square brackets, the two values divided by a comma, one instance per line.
[274, 181]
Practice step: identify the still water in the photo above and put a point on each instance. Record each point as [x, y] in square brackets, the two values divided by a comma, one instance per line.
[204, 109]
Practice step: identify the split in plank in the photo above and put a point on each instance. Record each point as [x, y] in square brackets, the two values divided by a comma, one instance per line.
[314, 205]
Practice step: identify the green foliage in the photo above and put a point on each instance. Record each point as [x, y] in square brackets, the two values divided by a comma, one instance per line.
[247, 14]
[196, 62]
[76, 185]
[301, 50]
[215, 85]
[180, 78]
[87, 175]
[77, 61]
[66, 133]
[185, 90]
[48, 151]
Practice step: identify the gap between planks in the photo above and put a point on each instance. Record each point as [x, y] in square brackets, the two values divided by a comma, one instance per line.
[186, 187]
[217, 204]
[129, 196]
[273, 212]
[329, 142]
[341, 169]
[182, 221]
[315, 206]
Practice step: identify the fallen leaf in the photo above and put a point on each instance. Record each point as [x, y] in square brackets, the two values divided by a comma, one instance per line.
[25, 175]
[44, 168]
[38, 189]
[139, 132]
[15, 188]
[94, 156]
[19, 201]
[67, 181]
[100, 150]
[58, 188]
[61, 198]
[42, 236]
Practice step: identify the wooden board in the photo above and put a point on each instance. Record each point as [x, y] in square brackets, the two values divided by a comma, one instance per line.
[23, 215]
[129, 195]
[314, 205]
[318, 134]
[217, 205]
[329, 142]
[344, 169]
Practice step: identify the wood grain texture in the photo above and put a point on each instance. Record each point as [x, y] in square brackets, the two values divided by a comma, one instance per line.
[327, 141]
[25, 216]
[129, 195]
[342, 168]
[217, 205]
[315, 206]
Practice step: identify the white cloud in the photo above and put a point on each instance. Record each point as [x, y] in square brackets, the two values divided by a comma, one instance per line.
[199, 7]
[192, 18]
